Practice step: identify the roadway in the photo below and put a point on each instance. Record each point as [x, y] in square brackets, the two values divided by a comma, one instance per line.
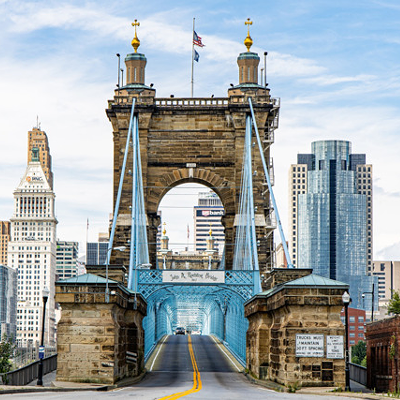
[184, 367]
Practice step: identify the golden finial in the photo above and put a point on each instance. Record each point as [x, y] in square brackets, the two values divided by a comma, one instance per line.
[135, 41]
[248, 41]
[210, 231]
[164, 230]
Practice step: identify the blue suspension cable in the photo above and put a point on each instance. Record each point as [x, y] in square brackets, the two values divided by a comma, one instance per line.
[282, 235]
[139, 253]
[121, 181]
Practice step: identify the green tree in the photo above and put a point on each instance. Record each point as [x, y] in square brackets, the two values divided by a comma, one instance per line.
[358, 352]
[7, 348]
[364, 362]
[394, 303]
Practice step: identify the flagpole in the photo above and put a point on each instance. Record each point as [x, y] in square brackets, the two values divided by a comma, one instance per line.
[191, 82]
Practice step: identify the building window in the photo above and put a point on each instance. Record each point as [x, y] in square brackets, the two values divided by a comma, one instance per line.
[352, 319]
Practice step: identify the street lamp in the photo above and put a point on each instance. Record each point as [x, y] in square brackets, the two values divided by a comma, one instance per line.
[119, 248]
[346, 301]
[45, 296]
[373, 297]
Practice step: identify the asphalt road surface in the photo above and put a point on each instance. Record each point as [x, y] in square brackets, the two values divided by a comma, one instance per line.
[185, 367]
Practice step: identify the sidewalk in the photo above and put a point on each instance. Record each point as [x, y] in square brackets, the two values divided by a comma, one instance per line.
[51, 385]
[47, 380]
[356, 390]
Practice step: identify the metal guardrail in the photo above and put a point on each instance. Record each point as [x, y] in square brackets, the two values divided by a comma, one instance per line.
[27, 374]
[358, 374]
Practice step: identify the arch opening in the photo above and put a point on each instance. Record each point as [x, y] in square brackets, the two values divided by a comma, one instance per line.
[190, 232]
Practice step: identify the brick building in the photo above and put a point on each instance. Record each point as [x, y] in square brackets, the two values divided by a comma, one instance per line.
[383, 344]
[356, 325]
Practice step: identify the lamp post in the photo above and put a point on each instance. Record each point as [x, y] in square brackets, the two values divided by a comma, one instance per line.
[346, 301]
[373, 298]
[119, 248]
[45, 296]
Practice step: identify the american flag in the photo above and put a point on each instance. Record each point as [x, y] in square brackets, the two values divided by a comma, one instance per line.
[197, 40]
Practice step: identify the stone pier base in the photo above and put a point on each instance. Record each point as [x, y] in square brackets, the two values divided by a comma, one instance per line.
[98, 342]
[296, 305]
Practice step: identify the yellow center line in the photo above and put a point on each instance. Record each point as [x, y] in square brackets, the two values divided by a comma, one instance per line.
[197, 385]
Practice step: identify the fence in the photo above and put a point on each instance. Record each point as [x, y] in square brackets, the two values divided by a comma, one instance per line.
[358, 374]
[27, 355]
[25, 375]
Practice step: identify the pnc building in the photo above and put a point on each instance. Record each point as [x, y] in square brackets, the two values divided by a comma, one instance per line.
[32, 252]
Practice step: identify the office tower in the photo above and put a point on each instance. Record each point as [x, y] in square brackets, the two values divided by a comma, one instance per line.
[96, 252]
[67, 257]
[32, 250]
[38, 139]
[8, 301]
[388, 273]
[4, 239]
[330, 229]
[281, 261]
[207, 215]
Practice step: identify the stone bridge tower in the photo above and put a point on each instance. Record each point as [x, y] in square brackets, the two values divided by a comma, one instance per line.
[194, 140]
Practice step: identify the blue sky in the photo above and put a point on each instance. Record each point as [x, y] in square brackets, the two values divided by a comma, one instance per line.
[335, 66]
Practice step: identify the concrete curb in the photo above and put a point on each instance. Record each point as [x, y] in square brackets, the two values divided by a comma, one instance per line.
[268, 384]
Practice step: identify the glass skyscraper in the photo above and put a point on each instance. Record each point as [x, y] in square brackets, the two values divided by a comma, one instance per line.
[331, 203]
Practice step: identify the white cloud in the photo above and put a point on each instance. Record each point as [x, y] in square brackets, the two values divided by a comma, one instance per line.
[334, 80]
[389, 253]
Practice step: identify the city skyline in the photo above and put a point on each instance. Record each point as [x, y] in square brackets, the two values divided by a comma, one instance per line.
[334, 68]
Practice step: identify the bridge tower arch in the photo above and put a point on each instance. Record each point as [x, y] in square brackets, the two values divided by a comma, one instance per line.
[194, 140]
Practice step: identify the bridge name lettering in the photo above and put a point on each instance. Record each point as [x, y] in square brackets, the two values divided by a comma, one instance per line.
[179, 276]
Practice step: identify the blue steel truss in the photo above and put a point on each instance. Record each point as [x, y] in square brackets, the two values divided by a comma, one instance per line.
[213, 309]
